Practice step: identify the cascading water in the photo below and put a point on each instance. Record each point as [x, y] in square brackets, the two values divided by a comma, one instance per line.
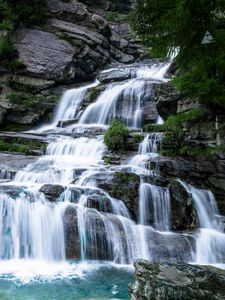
[84, 222]
[210, 241]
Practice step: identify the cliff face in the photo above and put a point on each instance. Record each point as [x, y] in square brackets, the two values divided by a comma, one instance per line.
[74, 43]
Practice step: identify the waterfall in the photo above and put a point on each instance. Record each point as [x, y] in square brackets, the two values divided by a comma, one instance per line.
[31, 228]
[83, 221]
[154, 204]
[210, 241]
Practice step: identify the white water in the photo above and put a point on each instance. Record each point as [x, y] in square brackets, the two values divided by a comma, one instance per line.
[32, 228]
[210, 241]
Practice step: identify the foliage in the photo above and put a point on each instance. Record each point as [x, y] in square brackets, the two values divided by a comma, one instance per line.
[112, 16]
[194, 151]
[166, 25]
[138, 137]
[14, 13]
[29, 100]
[21, 12]
[6, 48]
[93, 94]
[20, 145]
[154, 128]
[116, 135]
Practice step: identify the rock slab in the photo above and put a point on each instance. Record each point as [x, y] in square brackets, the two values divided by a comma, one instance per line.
[163, 281]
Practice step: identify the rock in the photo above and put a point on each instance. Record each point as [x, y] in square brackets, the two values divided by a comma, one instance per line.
[185, 105]
[183, 214]
[150, 113]
[52, 191]
[11, 163]
[30, 84]
[44, 54]
[114, 75]
[123, 186]
[2, 114]
[172, 247]
[95, 234]
[166, 98]
[72, 240]
[176, 281]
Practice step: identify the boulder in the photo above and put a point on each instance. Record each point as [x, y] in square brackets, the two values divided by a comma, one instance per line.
[119, 74]
[52, 191]
[183, 214]
[166, 98]
[176, 281]
[11, 163]
[123, 186]
[44, 54]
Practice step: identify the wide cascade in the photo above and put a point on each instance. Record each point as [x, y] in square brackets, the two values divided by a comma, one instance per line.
[55, 209]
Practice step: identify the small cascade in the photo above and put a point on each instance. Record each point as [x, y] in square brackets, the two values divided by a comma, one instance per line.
[28, 231]
[147, 148]
[70, 102]
[125, 100]
[210, 241]
[63, 157]
[154, 206]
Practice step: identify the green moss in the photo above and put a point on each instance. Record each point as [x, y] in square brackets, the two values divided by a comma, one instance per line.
[14, 127]
[93, 94]
[194, 152]
[137, 137]
[29, 100]
[112, 16]
[154, 128]
[116, 135]
[21, 145]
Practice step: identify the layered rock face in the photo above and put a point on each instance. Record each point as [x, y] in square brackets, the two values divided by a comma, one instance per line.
[176, 281]
[73, 44]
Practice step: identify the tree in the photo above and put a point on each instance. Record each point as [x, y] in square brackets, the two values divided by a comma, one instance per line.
[165, 25]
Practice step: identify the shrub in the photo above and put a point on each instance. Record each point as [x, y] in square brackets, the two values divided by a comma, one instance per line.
[116, 135]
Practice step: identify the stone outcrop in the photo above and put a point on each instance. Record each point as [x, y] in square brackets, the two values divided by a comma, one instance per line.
[176, 281]
[123, 186]
[52, 191]
[74, 43]
[183, 214]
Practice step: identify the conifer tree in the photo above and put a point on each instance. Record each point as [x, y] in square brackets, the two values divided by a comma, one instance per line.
[165, 25]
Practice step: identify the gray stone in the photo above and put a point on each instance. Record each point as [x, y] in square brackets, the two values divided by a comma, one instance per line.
[44, 54]
[11, 163]
[119, 74]
[177, 281]
[52, 191]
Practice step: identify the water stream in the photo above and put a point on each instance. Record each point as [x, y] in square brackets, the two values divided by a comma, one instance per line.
[39, 235]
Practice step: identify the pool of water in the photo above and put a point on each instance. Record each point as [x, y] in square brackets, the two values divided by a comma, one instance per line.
[29, 280]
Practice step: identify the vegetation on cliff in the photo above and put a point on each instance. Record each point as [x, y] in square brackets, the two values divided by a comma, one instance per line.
[183, 24]
[14, 13]
[115, 136]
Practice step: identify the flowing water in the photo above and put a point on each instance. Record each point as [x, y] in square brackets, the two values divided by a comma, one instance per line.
[39, 234]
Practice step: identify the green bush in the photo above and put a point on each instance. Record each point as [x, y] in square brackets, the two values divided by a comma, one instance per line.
[154, 128]
[116, 135]
[7, 49]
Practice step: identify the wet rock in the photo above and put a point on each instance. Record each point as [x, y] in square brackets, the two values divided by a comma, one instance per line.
[150, 113]
[183, 214]
[114, 75]
[166, 98]
[206, 174]
[11, 163]
[123, 186]
[95, 234]
[170, 246]
[72, 240]
[52, 191]
[176, 281]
